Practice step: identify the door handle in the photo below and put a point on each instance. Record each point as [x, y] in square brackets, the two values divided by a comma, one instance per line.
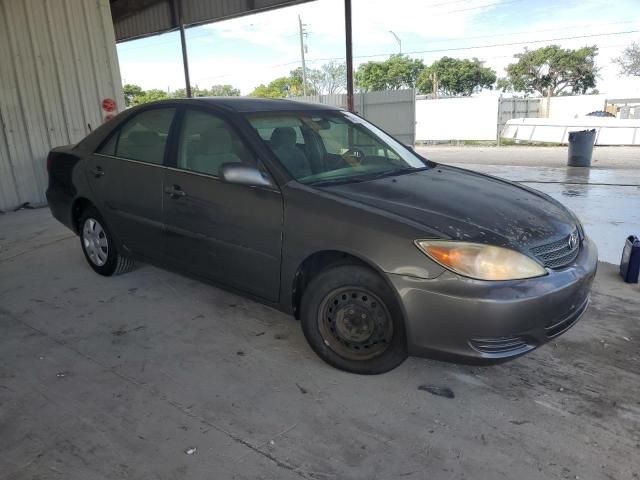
[175, 192]
[97, 172]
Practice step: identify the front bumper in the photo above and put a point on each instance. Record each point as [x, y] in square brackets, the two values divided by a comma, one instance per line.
[474, 321]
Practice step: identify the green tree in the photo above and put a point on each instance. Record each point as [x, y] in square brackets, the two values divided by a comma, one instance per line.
[131, 92]
[224, 91]
[552, 70]
[150, 96]
[629, 61]
[214, 91]
[296, 79]
[329, 78]
[399, 71]
[279, 88]
[456, 77]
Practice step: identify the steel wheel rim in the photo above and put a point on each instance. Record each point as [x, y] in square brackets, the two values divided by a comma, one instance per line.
[355, 323]
[94, 240]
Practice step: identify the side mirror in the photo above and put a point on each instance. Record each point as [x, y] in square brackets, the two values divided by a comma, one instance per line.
[410, 147]
[242, 174]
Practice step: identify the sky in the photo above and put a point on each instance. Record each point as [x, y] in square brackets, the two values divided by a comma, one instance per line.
[251, 50]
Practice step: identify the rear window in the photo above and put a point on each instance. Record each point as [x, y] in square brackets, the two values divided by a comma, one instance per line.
[143, 138]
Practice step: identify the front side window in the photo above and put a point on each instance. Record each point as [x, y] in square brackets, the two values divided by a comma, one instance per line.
[332, 147]
[143, 138]
[207, 142]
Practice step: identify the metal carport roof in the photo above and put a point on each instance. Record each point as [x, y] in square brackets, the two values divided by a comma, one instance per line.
[140, 18]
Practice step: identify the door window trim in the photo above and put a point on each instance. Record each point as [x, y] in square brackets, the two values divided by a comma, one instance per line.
[118, 129]
[174, 143]
[171, 150]
[157, 165]
[179, 127]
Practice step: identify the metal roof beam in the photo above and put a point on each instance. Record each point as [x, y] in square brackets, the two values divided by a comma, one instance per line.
[142, 18]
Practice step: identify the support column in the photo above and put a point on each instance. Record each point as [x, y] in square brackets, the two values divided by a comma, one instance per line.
[177, 13]
[349, 53]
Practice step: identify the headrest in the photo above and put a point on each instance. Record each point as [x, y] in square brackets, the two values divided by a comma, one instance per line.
[283, 137]
[217, 140]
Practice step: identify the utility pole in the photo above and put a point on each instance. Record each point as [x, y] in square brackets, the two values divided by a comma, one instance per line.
[434, 84]
[397, 40]
[304, 67]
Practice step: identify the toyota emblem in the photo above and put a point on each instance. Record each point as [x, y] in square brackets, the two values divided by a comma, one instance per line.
[573, 240]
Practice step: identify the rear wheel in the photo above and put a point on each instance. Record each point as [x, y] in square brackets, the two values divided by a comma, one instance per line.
[99, 247]
[351, 319]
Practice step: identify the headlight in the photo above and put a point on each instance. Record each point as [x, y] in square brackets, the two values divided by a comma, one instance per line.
[482, 262]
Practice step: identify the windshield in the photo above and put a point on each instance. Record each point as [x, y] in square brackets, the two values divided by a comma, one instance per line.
[331, 147]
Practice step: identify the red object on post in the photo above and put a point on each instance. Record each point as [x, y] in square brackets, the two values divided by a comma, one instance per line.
[109, 105]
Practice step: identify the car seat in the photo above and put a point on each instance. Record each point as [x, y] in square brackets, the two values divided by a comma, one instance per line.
[283, 143]
[216, 148]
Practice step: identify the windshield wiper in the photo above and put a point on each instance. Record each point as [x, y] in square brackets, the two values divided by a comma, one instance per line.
[393, 173]
[337, 181]
[368, 176]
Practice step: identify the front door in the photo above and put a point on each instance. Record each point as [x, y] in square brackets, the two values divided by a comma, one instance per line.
[229, 233]
[126, 176]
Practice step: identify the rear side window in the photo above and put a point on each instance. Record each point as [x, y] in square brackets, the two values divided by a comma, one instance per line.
[143, 138]
[109, 148]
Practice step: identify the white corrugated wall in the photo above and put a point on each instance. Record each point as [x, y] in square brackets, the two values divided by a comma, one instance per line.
[58, 62]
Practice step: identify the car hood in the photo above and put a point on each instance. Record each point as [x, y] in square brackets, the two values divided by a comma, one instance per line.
[465, 205]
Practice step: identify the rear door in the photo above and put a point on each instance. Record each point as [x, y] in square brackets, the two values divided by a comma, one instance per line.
[229, 233]
[126, 175]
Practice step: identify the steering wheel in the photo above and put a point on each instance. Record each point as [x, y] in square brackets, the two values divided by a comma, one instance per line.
[355, 156]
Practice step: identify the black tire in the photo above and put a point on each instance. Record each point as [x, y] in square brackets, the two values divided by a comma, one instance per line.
[108, 261]
[331, 310]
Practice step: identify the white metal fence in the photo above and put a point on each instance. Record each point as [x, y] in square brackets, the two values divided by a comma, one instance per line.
[469, 118]
[609, 131]
[393, 111]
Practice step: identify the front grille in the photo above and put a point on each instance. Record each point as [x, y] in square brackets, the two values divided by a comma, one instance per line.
[554, 329]
[501, 345]
[557, 254]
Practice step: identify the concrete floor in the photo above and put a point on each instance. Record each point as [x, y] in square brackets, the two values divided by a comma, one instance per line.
[115, 378]
[605, 197]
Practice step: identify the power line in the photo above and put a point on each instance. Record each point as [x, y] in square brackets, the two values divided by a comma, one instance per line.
[446, 12]
[315, 60]
[478, 7]
[494, 45]
[439, 40]
[441, 4]
[439, 50]
[523, 32]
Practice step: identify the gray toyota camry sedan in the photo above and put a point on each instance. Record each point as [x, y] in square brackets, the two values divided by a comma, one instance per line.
[378, 252]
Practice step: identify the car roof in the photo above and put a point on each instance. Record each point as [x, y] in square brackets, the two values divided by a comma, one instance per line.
[255, 105]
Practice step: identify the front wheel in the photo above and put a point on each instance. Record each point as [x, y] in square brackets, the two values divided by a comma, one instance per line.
[352, 320]
[99, 246]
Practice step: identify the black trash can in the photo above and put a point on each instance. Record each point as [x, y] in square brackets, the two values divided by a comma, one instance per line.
[581, 148]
